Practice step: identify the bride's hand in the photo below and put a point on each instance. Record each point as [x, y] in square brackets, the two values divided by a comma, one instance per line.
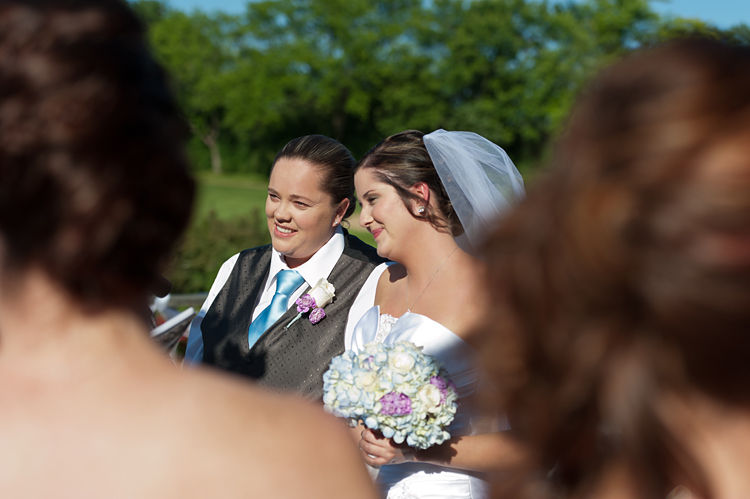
[377, 450]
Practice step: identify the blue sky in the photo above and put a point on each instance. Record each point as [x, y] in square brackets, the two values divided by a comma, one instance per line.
[723, 13]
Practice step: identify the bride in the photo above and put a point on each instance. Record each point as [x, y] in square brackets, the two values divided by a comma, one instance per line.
[428, 200]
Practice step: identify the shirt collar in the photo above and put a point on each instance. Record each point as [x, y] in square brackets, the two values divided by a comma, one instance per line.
[319, 266]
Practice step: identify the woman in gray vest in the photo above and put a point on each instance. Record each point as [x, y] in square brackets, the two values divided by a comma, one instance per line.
[247, 324]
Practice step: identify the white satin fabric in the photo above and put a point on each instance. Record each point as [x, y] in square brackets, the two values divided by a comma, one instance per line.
[426, 481]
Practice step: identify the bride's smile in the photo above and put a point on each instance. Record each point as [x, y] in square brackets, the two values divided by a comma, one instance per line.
[383, 213]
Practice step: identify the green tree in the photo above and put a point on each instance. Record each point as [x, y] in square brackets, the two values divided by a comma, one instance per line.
[150, 11]
[199, 52]
[208, 243]
[359, 70]
[507, 69]
[669, 28]
[337, 56]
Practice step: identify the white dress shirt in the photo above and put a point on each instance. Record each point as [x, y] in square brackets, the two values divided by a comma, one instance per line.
[319, 266]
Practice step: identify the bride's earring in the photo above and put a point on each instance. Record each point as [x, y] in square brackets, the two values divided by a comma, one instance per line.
[420, 210]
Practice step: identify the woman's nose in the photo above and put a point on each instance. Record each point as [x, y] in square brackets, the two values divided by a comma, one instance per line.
[282, 212]
[364, 217]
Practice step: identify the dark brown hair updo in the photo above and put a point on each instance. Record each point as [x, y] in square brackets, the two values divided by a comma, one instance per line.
[402, 161]
[624, 278]
[332, 159]
[94, 184]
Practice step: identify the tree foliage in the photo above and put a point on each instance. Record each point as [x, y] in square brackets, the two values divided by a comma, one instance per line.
[209, 243]
[359, 70]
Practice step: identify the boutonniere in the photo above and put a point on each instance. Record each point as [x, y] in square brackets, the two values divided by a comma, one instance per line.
[319, 296]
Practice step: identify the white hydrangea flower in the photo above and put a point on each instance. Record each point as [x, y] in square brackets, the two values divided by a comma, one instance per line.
[397, 389]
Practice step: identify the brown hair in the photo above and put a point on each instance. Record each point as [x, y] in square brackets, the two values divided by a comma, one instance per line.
[332, 158]
[625, 275]
[95, 188]
[402, 161]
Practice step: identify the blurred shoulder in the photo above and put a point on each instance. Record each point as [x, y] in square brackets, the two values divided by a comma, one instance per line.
[260, 439]
[393, 274]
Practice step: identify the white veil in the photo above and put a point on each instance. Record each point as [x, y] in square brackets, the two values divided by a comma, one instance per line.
[480, 179]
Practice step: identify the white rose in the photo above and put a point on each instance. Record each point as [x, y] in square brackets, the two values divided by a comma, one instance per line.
[400, 362]
[367, 380]
[323, 293]
[429, 394]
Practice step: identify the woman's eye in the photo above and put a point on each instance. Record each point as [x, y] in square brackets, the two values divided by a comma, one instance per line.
[301, 204]
[273, 196]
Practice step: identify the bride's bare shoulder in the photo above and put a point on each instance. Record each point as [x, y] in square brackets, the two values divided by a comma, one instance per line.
[394, 273]
[391, 277]
[263, 438]
[460, 297]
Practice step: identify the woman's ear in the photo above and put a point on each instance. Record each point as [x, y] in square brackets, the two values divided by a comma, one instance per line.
[340, 212]
[422, 191]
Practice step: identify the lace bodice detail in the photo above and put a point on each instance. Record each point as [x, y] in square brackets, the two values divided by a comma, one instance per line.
[385, 324]
[458, 357]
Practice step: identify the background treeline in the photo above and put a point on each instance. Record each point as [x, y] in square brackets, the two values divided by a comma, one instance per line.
[359, 70]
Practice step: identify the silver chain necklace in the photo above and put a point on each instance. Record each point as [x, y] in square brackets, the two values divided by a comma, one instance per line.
[408, 309]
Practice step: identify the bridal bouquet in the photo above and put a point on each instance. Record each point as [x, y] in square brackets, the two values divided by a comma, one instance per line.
[398, 390]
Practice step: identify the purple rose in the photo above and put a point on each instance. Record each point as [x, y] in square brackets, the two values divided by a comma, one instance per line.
[305, 303]
[395, 404]
[440, 384]
[316, 315]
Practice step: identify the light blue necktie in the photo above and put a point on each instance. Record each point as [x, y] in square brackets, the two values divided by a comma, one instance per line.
[286, 282]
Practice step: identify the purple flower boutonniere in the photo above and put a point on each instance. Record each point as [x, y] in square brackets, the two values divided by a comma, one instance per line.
[313, 302]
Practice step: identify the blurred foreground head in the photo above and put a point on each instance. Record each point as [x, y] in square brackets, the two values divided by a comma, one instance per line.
[94, 188]
[624, 279]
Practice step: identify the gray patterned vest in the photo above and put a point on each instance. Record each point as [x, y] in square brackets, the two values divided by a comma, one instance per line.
[292, 360]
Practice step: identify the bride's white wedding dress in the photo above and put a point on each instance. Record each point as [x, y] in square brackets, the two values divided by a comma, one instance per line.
[417, 480]
[482, 183]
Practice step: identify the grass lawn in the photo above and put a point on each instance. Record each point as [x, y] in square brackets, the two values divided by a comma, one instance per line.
[234, 195]
[229, 196]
